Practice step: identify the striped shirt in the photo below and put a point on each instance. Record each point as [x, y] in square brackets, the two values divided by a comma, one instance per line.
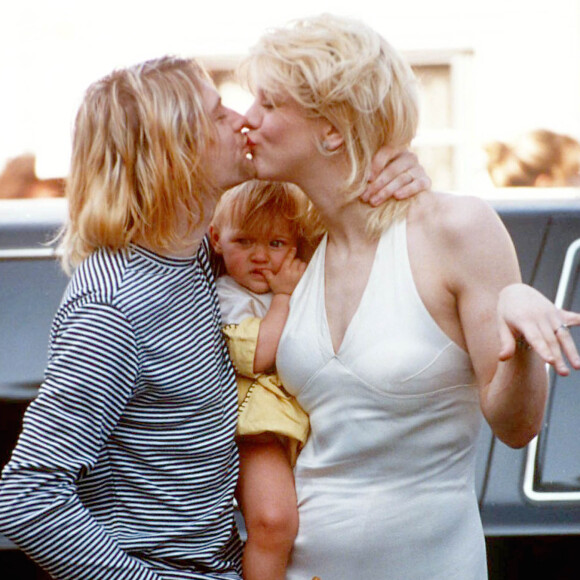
[127, 464]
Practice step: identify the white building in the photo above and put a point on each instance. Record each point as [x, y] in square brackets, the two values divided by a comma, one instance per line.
[489, 69]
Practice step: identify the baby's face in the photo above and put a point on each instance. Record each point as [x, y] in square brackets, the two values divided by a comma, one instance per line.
[248, 254]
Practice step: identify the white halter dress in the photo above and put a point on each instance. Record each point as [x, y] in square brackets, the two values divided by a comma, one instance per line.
[385, 482]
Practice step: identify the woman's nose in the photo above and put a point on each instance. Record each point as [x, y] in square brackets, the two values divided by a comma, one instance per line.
[251, 117]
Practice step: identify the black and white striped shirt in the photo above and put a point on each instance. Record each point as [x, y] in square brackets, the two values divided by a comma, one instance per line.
[127, 463]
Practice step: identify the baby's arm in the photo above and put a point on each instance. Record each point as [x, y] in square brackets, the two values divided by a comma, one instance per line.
[282, 285]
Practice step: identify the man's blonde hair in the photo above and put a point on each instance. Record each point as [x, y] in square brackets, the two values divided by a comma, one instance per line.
[137, 159]
[252, 206]
[343, 71]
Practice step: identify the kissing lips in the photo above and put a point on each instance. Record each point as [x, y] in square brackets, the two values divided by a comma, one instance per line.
[251, 146]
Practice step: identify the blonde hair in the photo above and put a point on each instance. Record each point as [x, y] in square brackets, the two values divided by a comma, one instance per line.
[253, 205]
[343, 71]
[536, 153]
[136, 169]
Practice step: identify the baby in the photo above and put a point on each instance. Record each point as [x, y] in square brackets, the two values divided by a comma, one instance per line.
[258, 229]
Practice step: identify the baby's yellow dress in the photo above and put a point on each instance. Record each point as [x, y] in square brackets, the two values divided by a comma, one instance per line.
[264, 406]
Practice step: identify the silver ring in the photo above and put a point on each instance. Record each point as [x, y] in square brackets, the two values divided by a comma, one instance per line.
[564, 326]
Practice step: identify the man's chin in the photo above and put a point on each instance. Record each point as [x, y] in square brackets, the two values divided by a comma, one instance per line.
[248, 172]
[252, 173]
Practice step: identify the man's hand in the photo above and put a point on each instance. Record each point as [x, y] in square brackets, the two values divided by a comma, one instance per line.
[395, 173]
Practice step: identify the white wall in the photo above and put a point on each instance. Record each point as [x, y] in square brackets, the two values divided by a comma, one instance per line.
[526, 55]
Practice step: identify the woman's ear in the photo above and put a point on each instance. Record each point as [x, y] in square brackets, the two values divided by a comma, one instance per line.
[332, 139]
[214, 238]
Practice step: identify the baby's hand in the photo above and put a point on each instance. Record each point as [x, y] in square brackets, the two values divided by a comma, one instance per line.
[288, 276]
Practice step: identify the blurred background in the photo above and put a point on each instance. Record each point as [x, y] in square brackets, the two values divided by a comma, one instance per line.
[489, 70]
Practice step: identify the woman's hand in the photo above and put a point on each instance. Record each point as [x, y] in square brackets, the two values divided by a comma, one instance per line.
[526, 319]
[395, 173]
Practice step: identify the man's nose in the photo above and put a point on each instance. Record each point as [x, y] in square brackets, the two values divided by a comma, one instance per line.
[238, 121]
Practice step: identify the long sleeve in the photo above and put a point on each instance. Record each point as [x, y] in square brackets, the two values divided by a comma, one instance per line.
[89, 380]
[127, 464]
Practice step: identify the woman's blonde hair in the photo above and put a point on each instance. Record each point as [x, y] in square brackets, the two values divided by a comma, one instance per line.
[343, 71]
[534, 154]
[137, 159]
[252, 206]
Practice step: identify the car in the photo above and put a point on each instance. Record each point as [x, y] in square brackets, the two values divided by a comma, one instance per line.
[529, 498]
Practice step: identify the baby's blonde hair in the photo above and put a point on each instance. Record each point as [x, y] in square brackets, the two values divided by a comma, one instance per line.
[343, 71]
[137, 159]
[253, 205]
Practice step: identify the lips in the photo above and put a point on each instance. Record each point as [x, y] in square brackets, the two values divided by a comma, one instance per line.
[250, 145]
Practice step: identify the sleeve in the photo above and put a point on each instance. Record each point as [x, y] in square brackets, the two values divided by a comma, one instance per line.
[242, 339]
[90, 377]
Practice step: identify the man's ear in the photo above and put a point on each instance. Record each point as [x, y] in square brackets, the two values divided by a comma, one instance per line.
[214, 238]
[332, 139]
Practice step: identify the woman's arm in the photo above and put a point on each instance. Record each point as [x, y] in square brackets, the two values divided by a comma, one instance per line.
[282, 285]
[495, 310]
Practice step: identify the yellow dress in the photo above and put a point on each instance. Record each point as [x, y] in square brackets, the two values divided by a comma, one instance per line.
[264, 406]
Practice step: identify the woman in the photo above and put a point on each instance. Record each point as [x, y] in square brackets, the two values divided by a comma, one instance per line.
[409, 324]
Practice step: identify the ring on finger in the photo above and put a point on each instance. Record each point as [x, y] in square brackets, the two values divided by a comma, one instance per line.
[562, 327]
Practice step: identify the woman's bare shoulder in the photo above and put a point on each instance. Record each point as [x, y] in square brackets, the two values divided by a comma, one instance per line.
[455, 216]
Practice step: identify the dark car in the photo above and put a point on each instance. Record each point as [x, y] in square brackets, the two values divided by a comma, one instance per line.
[530, 498]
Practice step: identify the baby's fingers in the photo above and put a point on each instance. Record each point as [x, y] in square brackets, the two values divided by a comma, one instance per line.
[289, 258]
[269, 275]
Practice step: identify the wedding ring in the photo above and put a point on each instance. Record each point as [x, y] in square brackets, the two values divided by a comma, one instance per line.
[564, 326]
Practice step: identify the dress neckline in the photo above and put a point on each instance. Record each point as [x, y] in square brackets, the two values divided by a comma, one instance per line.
[356, 314]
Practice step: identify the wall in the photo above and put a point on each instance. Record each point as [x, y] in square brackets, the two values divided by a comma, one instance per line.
[525, 65]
